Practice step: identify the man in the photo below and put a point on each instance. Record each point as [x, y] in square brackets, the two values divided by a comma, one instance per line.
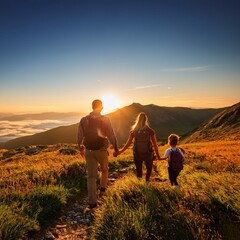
[94, 133]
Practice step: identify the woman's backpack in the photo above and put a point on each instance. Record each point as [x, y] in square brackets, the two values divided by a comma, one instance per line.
[142, 146]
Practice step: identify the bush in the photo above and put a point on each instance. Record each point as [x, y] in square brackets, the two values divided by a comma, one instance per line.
[68, 151]
[46, 201]
[14, 223]
[136, 211]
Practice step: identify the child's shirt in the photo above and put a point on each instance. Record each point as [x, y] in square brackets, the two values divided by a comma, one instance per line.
[168, 152]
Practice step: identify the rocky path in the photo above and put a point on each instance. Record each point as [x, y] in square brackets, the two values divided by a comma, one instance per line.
[76, 221]
[74, 224]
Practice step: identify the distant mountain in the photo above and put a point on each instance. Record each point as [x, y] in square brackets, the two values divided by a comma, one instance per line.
[164, 120]
[66, 134]
[39, 116]
[223, 126]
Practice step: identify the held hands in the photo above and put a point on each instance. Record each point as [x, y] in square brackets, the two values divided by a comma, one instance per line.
[82, 153]
[159, 158]
[115, 154]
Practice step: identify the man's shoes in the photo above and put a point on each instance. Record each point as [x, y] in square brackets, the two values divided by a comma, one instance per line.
[91, 206]
[102, 194]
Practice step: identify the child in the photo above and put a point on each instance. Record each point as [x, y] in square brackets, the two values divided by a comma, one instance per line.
[175, 159]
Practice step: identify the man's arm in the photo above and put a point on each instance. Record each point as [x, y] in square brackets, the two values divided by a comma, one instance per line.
[80, 139]
[111, 135]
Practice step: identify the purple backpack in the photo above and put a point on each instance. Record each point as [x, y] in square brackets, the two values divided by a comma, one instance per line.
[176, 160]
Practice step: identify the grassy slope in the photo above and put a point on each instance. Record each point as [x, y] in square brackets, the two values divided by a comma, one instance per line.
[206, 208]
[224, 125]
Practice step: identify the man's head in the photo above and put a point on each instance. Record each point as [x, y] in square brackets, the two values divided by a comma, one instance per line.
[97, 105]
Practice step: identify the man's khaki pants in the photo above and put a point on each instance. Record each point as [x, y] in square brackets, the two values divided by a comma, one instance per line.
[93, 157]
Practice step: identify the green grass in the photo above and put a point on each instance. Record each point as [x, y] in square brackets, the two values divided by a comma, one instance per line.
[35, 189]
[206, 207]
[135, 210]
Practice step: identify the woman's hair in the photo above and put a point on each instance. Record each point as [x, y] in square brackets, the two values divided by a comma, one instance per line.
[173, 139]
[141, 122]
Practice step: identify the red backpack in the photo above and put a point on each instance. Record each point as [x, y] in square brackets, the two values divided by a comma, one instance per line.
[142, 144]
[176, 160]
[93, 130]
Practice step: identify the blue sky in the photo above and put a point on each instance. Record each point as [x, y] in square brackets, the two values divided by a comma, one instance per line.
[58, 55]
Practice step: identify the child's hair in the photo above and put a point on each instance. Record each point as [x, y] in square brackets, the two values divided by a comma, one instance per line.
[173, 139]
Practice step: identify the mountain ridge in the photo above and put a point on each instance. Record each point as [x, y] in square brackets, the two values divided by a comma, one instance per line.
[164, 120]
[225, 124]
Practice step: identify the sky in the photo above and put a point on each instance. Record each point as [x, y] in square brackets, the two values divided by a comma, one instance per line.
[59, 55]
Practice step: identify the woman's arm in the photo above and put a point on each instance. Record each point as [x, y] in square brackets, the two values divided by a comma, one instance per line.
[155, 146]
[128, 143]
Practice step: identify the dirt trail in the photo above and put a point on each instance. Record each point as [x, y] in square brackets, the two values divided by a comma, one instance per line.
[76, 221]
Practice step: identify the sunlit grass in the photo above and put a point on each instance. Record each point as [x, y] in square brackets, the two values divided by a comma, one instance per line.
[34, 188]
[206, 207]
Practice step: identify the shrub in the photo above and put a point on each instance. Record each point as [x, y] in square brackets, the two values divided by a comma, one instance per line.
[68, 151]
[14, 223]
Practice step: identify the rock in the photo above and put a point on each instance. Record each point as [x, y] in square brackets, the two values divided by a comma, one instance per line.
[49, 236]
[61, 226]
[123, 170]
[114, 175]
[68, 151]
[112, 179]
[33, 150]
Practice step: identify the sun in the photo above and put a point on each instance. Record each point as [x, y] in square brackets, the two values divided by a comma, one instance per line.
[110, 103]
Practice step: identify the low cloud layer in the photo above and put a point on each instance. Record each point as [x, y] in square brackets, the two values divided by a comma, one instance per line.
[14, 129]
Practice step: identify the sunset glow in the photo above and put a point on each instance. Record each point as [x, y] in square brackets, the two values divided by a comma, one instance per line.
[58, 56]
[110, 103]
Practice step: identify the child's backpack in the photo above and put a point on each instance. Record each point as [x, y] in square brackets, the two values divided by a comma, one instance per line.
[176, 160]
[93, 138]
[142, 144]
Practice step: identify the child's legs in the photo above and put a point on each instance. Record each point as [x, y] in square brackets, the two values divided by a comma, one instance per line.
[149, 165]
[171, 175]
[138, 164]
[175, 175]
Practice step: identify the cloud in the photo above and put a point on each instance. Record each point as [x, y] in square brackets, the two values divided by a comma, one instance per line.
[186, 69]
[14, 129]
[144, 87]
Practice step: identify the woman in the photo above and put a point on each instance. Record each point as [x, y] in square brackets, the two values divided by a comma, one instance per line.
[144, 146]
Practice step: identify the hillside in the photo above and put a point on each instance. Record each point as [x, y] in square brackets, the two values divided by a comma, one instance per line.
[43, 195]
[39, 116]
[164, 120]
[224, 126]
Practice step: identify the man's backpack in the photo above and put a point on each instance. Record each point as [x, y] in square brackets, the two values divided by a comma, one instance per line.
[176, 160]
[93, 134]
[142, 144]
